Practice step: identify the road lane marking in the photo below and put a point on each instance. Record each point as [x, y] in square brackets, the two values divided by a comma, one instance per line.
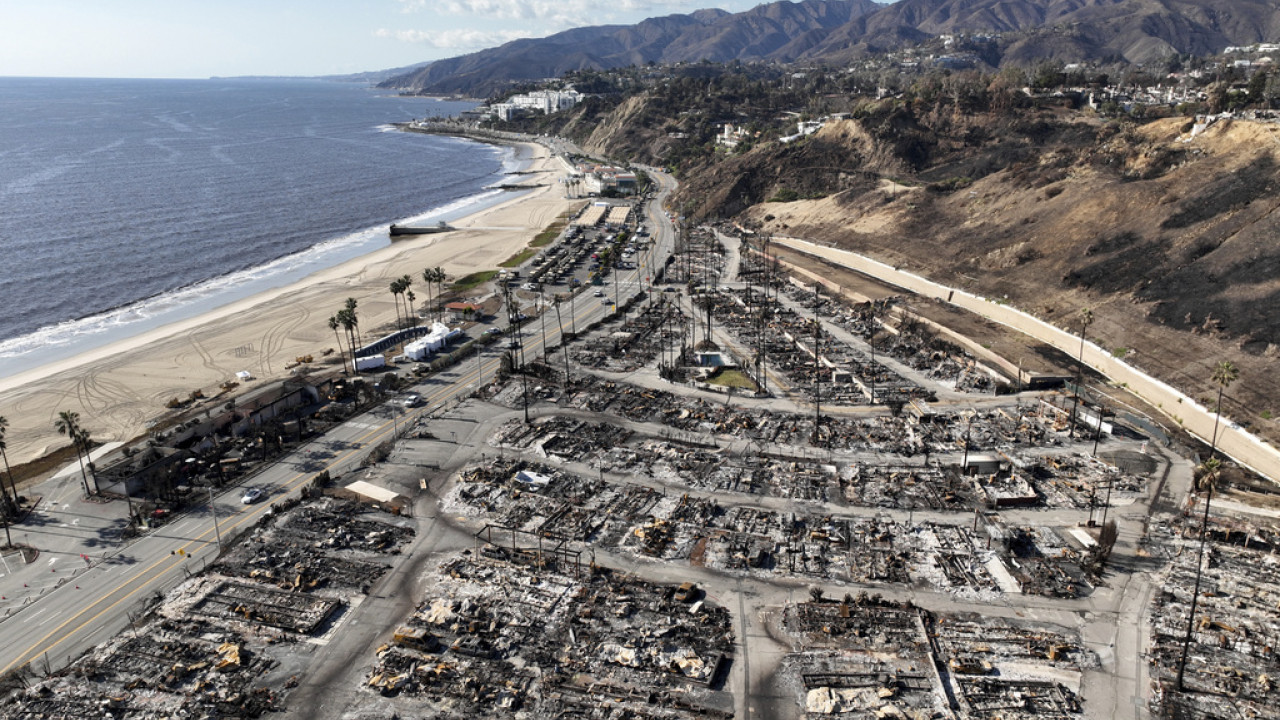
[147, 575]
[144, 575]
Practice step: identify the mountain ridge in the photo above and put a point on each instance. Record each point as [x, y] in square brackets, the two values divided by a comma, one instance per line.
[841, 31]
[762, 33]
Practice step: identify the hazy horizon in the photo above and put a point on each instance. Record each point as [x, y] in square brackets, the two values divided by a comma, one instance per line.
[289, 38]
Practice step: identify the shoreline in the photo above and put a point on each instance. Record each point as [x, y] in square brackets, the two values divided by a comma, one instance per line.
[122, 386]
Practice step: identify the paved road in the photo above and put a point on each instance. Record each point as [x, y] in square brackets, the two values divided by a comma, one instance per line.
[90, 600]
[94, 603]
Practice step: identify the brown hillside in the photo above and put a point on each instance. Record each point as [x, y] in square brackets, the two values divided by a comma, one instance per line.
[1169, 239]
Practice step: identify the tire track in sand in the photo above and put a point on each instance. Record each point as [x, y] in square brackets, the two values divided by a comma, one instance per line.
[277, 336]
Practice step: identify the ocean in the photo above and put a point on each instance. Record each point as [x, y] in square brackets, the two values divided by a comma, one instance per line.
[129, 204]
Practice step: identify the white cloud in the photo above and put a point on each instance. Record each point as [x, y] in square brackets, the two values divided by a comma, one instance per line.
[454, 39]
[582, 12]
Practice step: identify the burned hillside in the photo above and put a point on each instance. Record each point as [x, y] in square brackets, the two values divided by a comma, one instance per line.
[1161, 229]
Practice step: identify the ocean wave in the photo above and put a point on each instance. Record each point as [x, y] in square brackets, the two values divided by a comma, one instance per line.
[97, 329]
[174, 302]
[455, 208]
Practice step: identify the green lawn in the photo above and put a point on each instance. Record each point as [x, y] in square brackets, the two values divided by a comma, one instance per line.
[518, 259]
[545, 237]
[733, 378]
[473, 280]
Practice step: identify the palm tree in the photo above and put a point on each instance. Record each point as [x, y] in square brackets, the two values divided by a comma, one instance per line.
[347, 319]
[352, 324]
[409, 297]
[1207, 476]
[83, 437]
[439, 276]
[68, 423]
[4, 425]
[404, 282]
[1224, 373]
[396, 289]
[1086, 317]
[429, 277]
[334, 324]
[11, 512]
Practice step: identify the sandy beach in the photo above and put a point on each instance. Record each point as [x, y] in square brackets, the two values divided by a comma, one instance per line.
[120, 388]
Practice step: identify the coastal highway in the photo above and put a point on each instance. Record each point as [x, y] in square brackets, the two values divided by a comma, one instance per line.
[101, 601]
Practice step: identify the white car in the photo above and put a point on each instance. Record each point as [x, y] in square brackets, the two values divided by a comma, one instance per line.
[412, 400]
[252, 495]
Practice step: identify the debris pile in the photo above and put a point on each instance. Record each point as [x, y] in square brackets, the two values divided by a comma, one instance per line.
[989, 558]
[516, 635]
[1231, 662]
[654, 332]
[212, 647]
[868, 657]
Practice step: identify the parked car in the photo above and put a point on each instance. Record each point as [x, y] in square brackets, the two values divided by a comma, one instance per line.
[686, 592]
[252, 495]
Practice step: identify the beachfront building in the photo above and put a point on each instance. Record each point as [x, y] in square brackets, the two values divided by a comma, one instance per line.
[463, 311]
[606, 179]
[541, 101]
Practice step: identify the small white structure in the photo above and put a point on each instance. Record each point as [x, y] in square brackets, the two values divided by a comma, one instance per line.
[422, 347]
[532, 479]
[371, 362]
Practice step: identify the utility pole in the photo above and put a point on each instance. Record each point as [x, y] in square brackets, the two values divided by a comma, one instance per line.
[968, 434]
[542, 316]
[524, 382]
[1086, 317]
[214, 511]
[573, 312]
[1106, 503]
[1097, 431]
[817, 379]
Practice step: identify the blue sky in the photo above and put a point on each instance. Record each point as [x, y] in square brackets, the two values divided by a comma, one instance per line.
[202, 38]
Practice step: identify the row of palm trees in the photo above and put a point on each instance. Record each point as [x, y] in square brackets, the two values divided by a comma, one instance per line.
[349, 321]
[401, 287]
[68, 423]
[433, 276]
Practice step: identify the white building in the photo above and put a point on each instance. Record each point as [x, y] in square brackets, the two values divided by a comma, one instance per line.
[543, 101]
[730, 135]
